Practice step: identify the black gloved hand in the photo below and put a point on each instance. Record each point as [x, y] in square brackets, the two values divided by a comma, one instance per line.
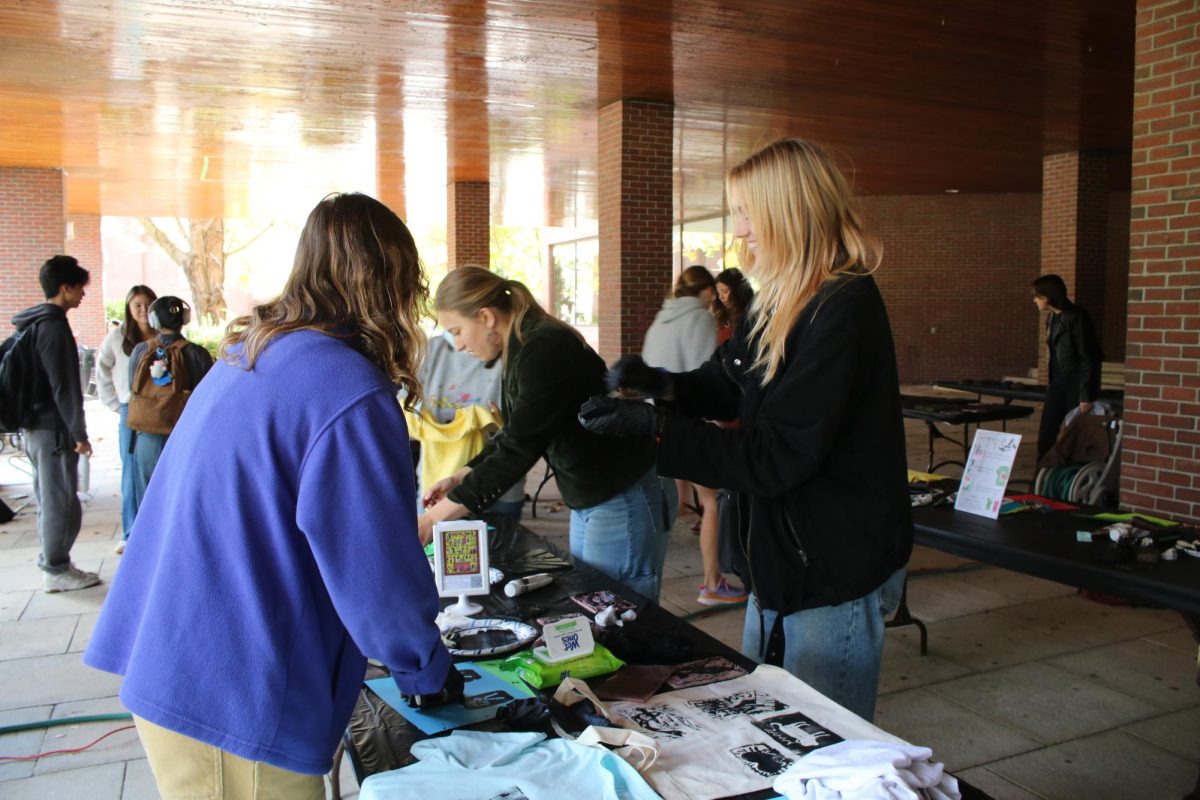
[612, 417]
[451, 692]
[632, 373]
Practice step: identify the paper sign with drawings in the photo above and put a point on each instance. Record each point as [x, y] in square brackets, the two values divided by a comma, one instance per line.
[736, 736]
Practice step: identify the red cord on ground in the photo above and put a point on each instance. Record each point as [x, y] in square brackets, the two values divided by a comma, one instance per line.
[68, 751]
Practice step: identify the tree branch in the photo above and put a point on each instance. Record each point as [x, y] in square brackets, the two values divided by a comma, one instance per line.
[249, 242]
[170, 248]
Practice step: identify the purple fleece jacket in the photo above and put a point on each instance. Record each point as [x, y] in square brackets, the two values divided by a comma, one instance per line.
[276, 545]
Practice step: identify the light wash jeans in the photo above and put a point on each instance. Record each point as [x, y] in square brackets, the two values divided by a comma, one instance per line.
[55, 483]
[834, 649]
[625, 537]
[147, 447]
[129, 497]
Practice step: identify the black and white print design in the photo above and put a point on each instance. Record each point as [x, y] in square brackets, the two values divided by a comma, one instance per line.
[762, 758]
[747, 703]
[659, 721]
[796, 732]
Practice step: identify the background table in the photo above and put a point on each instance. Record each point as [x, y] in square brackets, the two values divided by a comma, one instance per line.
[1044, 545]
[934, 411]
[1026, 392]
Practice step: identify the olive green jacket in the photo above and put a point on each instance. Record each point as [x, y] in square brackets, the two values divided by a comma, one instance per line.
[546, 378]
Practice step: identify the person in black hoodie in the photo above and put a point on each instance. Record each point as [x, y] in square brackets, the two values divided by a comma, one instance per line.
[1075, 358]
[818, 460]
[58, 435]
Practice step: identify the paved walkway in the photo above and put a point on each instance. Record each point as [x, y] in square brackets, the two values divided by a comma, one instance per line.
[1028, 691]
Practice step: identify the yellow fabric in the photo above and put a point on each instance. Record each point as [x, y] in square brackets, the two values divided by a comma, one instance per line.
[187, 769]
[446, 447]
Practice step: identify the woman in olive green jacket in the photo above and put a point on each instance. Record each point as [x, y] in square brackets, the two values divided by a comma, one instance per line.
[620, 512]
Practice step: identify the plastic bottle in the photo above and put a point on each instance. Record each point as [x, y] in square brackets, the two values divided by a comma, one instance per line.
[85, 473]
[527, 584]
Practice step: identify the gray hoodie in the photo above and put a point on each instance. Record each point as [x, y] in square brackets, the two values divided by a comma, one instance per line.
[682, 337]
[60, 362]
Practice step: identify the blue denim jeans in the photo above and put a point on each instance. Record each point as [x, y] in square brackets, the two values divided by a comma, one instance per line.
[625, 537]
[834, 649]
[130, 499]
[147, 447]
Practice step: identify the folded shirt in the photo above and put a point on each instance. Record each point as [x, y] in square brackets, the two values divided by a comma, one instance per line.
[860, 769]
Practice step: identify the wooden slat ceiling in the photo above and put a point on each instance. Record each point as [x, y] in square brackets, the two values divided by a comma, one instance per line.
[208, 107]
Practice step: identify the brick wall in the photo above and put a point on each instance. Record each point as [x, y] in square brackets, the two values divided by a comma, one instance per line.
[1160, 467]
[88, 320]
[634, 189]
[1075, 237]
[468, 224]
[955, 276]
[31, 230]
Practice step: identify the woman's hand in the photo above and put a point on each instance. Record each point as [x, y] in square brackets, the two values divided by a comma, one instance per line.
[1085, 407]
[443, 487]
[442, 511]
[425, 524]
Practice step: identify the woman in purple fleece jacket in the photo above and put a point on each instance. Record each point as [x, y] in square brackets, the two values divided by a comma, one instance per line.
[276, 544]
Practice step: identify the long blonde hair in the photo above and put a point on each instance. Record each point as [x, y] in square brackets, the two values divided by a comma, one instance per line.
[469, 290]
[808, 230]
[356, 276]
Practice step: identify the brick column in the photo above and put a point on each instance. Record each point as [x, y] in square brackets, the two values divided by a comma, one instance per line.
[31, 230]
[1075, 232]
[634, 189]
[468, 224]
[88, 320]
[1160, 467]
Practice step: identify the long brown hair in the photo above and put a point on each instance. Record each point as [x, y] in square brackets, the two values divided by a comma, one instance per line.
[469, 290]
[808, 230]
[356, 276]
[741, 294]
[131, 331]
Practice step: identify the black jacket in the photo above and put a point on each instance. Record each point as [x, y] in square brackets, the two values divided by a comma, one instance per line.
[62, 409]
[546, 378]
[819, 459]
[1075, 354]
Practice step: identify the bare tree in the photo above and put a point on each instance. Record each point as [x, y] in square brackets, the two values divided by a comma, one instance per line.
[203, 261]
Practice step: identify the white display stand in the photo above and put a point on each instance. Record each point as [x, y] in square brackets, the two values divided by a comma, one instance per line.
[460, 563]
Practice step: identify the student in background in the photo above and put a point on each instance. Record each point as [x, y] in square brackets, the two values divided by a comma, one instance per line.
[276, 546]
[1075, 358]
[112, 378]
[57, 435]
[163, 373]
[819, 459]
[734, 296]
[460, 408]
[682, 337]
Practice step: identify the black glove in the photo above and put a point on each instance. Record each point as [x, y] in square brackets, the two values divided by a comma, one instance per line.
[612, 417]
[632, 373]
[451, 692]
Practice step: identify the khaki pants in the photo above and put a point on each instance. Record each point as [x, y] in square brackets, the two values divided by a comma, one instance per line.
[186, 769]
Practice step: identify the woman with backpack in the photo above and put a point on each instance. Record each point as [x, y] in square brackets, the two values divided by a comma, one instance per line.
[163, 373]
[112, 379]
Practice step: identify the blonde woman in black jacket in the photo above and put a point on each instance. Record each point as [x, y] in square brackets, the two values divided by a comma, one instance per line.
[818, 461]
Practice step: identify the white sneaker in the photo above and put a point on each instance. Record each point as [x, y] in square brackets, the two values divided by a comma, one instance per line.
[68, 581]
[120, 548]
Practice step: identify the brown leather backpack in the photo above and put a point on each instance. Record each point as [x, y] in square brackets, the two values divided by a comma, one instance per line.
[155, 408]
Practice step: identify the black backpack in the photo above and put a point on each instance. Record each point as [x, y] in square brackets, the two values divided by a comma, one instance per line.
[20, 380]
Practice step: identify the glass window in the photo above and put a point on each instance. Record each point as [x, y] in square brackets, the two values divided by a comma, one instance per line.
[577, 281]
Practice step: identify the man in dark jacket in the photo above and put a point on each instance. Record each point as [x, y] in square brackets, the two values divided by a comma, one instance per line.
[57, 436]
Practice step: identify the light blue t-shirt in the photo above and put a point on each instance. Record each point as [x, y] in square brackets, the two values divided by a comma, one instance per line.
[473, 765]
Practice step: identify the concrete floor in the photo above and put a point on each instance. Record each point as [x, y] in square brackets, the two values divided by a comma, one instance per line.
[1028, 691]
